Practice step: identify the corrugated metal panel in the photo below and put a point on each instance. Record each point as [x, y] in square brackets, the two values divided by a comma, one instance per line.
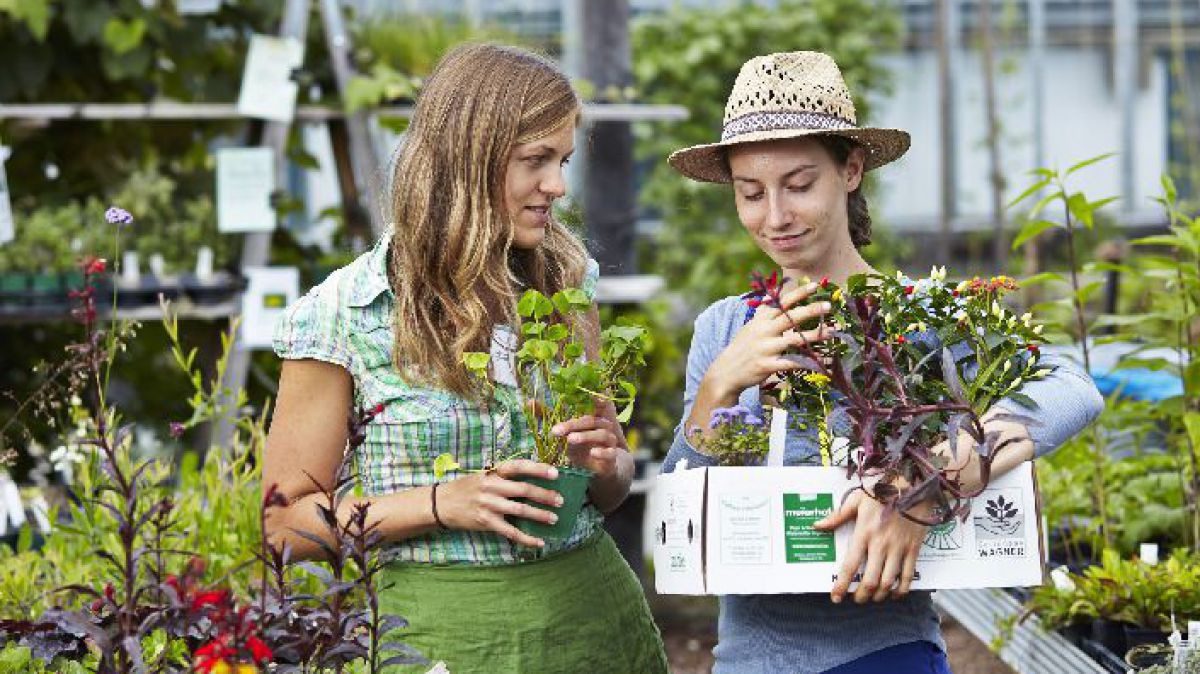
[1030, 649]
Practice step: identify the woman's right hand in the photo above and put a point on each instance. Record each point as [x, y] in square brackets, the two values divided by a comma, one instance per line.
[756, 352]
[481, 501]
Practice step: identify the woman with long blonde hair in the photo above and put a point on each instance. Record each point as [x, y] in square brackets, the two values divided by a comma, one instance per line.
[473, 187]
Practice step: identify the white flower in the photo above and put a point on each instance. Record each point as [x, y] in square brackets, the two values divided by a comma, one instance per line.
[66, 457]
[938, 273]
[1026, 318]
[1037, 329]
[1007, 366]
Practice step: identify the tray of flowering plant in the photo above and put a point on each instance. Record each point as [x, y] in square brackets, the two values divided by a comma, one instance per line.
[892, 400]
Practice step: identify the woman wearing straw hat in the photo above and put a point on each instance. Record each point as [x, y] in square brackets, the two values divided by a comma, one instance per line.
[795, 156]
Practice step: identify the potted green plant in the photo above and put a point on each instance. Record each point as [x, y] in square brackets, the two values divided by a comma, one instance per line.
[559, 382]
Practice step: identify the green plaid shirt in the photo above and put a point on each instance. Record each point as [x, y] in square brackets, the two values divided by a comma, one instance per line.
[347, 320]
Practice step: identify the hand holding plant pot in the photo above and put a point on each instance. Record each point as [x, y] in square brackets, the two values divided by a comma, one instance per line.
[573, 400]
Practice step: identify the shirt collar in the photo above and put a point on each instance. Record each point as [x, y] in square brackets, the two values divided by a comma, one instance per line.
[372, 281]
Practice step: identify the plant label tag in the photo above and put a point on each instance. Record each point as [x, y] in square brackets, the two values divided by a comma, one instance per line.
[777, 440]
[269, 291]
[11, 509]
[245, 181]
[504, 356]
[186, 7]
[7, 231]
[268, 90]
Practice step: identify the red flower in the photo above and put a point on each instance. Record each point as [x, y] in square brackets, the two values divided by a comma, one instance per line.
[900, 339]
[258, 650]
[908, 290]
[95, 265]
[109, 592]
[1032, 348]
[754, 302]
[376, 410]
[954, 293]
[824, 282]
[209, 598]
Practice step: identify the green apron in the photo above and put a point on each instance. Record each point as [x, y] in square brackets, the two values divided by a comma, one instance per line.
[581, 610]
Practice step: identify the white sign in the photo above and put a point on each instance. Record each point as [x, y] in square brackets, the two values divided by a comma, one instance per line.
[197, 6]
[749, 531]
[7, 232]
[269, 292]
[268, 91]
[245, 181]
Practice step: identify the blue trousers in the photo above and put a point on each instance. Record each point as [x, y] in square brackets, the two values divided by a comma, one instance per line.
[916, 657]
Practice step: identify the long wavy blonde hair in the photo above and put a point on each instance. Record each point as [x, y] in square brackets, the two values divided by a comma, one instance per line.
[454, 270]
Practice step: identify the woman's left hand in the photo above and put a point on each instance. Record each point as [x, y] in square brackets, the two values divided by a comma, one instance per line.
[885, 549]
[592, 443]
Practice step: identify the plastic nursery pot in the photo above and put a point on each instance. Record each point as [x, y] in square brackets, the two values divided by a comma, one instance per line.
[1137, 636]
[572, 484]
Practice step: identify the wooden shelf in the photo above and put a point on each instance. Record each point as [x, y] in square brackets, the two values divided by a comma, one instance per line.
[166, 110]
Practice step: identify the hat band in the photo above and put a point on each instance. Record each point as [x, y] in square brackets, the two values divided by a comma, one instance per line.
[773, 121]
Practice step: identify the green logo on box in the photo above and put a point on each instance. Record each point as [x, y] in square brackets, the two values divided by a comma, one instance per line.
[801, 542]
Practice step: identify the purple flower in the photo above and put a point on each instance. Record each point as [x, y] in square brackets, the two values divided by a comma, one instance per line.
[118, 216]
[751, 420]
[177, 429]
[720, 416]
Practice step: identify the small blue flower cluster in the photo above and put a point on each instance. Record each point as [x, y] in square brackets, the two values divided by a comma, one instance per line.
[118, 216]
[730, 415]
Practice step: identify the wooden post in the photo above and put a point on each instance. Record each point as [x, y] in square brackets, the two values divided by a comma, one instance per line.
[256, 247]
[609, 197]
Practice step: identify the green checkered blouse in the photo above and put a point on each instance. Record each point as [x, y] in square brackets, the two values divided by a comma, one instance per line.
[347, 320]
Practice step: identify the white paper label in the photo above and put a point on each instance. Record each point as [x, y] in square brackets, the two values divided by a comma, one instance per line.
[268, 91]
[245, 180]
[777, 443]
[7, 231]
[504, 356]
[197, 6]
[745, 528]
[12, 511]
[268, 293]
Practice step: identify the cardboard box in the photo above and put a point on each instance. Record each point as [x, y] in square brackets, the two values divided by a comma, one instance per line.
[749, 531]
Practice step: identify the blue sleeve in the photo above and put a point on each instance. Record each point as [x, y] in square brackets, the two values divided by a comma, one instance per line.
[706, 346]
[1067, 401]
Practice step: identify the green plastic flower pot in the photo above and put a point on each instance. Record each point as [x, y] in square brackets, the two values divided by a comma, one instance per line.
[572, 483]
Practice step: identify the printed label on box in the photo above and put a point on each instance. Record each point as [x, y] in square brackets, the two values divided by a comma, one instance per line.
[945, 541]
[745, 529]
[802, 543]
[1000, 523]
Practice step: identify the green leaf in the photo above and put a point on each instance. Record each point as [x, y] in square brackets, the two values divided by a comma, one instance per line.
[476, 360]
[1088, 162]
[1077, 203]
[124, 36]
[557, 332]
[443, 464]
[1044, 277]
[1042, 204]
[1158, 240]
[1032, 229]
[573, 350]
[533, 329]
[1029, 191]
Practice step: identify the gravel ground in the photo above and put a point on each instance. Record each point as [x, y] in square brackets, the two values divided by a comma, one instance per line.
[689, 625]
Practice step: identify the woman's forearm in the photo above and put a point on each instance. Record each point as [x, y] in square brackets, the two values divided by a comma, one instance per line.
[397, 516]
[609, 493]
[966, 463]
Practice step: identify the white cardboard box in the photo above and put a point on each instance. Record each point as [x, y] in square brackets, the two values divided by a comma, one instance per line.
[748, 531]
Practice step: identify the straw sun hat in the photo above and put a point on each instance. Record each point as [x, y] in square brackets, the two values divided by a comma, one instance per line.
[787, 95]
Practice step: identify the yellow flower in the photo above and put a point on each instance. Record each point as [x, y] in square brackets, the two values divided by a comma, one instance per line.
[817, 379]
[837, 294]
